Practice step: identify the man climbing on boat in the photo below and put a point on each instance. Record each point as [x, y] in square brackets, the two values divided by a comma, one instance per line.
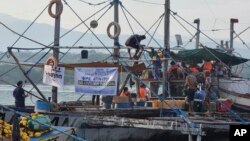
[19, 95]
[134, 42]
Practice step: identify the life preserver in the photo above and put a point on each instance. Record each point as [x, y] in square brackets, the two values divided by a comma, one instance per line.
[118, 30]
[58, 3]
[52, 61]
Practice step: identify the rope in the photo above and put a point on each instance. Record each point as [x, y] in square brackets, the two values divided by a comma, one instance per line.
[85, 32]
[128, 21]
[22, 35]
[139, 23]
[29, 26]
[175, 13]
[181, 24]
[86, 25]
[160, 20]
[3, 55]
[37, 61]
[243, 42]
[49, 126]
[93, 4]
[76, 27]
[17, 66]
[242, 32]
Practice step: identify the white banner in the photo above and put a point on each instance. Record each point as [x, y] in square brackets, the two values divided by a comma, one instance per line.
[96, 81]
[53, 76]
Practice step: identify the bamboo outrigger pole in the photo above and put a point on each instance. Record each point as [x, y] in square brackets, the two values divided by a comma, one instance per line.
[25, 74]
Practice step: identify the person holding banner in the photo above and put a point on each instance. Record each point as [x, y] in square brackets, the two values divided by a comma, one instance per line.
[19, 95]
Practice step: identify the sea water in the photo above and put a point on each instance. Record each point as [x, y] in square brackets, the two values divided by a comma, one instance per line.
[66, 93]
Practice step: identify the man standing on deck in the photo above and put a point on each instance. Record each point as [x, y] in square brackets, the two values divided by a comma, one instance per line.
[208, 86]
[134, 42]
[191, 85]
[19, 95]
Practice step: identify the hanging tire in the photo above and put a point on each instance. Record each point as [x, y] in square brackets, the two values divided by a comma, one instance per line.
[58, 3]
[118, 30]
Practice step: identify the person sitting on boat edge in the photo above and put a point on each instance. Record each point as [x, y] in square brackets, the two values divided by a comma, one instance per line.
[134, 42]
[19, 95]
[191, 88]
[125, 92]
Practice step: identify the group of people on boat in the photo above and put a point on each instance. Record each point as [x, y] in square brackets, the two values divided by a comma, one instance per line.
[144, 93]
[200, 84]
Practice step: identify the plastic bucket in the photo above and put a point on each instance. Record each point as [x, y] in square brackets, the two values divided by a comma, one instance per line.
[42, 106]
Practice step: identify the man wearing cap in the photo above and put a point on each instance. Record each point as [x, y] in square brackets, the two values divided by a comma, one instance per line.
[19, 95]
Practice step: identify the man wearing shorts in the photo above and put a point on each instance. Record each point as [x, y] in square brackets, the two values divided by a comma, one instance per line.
[191, 85]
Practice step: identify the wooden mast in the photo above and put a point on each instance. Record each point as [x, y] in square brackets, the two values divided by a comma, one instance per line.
[165, 88]
[56, 47]
[116, 40]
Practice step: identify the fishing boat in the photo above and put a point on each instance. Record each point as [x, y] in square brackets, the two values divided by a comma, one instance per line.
[230, 84]
[165, 116]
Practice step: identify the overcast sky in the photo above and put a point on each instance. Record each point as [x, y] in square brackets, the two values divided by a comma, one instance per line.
[214, 15]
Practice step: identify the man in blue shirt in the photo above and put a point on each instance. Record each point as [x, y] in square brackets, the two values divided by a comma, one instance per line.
[19, 95]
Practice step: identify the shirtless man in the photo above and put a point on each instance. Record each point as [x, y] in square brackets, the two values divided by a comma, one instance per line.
[191, 85]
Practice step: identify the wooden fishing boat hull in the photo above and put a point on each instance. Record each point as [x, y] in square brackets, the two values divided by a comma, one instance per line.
[238, 90]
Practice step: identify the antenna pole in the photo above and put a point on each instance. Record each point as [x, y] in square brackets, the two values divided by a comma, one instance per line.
[165, 87]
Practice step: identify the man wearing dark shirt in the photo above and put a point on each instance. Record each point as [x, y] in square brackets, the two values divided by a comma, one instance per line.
[19, 95]
[134, 42]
